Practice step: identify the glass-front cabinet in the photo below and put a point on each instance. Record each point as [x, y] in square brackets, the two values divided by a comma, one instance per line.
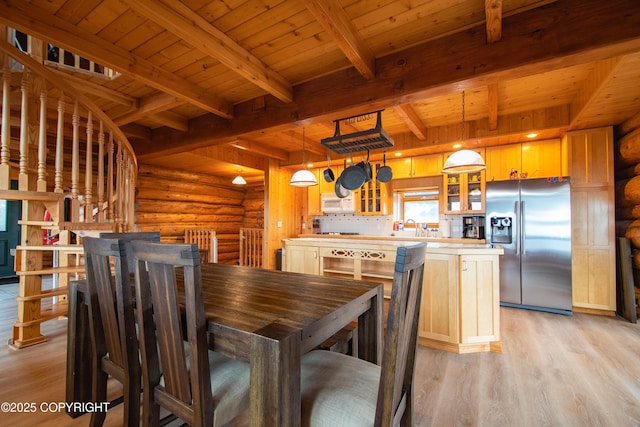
[374, 196]
[464, 193]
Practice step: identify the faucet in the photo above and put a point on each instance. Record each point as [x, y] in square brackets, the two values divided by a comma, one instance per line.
[414, 223]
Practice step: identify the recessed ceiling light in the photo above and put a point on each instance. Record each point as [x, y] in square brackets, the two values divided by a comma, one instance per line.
[532, 135]
[397, 154]
[456, 146]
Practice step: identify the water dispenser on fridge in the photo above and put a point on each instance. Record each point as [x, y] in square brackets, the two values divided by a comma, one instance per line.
[501, 229]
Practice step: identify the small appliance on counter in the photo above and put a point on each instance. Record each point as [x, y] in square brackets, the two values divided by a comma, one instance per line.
[473, 227]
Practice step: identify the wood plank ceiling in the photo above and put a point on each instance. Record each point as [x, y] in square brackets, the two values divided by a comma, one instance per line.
[217, 86]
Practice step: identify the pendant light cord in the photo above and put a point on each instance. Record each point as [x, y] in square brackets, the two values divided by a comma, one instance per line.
[462, 133]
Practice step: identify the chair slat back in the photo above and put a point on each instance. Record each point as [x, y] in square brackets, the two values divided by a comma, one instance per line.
[151, 236]
[401, 338]
[186, 388]
[112, 319]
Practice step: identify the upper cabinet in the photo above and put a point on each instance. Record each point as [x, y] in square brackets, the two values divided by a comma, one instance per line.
[374, 196]
[427, 165]
[501, 159]
[535, 159]
[464, 193]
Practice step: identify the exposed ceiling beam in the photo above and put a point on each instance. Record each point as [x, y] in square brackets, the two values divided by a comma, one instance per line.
[554, 37]
[334, 20]
[149, 105]
[493, 17]
[412, 120]
[260, 149]
[32, 20]
[492, 105]
[171, 120]
[196, 31]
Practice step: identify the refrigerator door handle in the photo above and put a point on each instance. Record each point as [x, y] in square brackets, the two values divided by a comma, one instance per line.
[522, 230]
[517, 228]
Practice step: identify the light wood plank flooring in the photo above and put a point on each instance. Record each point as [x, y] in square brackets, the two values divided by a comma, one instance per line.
[579, 370]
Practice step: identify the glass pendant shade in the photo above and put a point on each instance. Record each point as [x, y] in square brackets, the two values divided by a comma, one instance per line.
[238, 180]
[303, 178]
[464, 161]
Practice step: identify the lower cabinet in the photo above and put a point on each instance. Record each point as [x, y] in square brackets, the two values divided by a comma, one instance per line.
[301, 259]
[460, 307]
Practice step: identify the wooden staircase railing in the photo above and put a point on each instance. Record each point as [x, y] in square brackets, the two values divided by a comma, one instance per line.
[54, 135]
[251, 247]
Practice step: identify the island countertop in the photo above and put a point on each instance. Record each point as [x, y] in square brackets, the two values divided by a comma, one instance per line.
[397, 237]
[441, 246]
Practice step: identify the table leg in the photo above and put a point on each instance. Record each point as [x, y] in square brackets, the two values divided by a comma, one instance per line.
[371, 329]
[78, 376]
[275, 376]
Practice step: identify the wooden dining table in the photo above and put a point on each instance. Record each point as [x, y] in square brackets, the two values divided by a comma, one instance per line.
[267, 318]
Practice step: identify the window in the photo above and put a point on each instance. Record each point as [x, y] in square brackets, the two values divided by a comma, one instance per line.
[422, 206]
[59, 58]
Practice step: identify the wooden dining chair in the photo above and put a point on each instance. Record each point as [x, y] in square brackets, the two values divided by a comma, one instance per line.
[340, 390]
[128, 237]
[112, 326]
[201, 387]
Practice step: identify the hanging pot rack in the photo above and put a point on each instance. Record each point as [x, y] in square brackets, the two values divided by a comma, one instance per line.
[370, 139]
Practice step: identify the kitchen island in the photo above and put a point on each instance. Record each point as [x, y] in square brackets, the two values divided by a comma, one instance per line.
[460, 307]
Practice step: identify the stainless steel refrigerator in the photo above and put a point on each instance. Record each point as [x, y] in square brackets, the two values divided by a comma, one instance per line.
[531, 220]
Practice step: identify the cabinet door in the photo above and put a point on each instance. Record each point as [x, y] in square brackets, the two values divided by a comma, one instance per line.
[428, 165]
[591, 156]
[373, 195]
[439, 305]
[464, 193]
[479, 299]
[501, 159]
[402, 168]
[302, 259]
[541, 159]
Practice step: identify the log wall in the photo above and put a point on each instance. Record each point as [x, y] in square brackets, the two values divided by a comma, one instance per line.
[628, 189]
[169, 201]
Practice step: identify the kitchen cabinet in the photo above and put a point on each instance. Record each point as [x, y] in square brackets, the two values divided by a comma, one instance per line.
[373, 197]
[301, 259]
[593, 247]
[541, 159]
[418, 166]
[538, 159]
[464, 193]
[501, 159]
[460, 308]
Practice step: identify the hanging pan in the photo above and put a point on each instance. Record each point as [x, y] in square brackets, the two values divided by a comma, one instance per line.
[340, 191]
[328, 173]
[384, 173]
[353, 177]
[366, 166]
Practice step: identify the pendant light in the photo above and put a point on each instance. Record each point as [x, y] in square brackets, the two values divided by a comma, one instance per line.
[464, 160]
[238, 180]
[303, 177]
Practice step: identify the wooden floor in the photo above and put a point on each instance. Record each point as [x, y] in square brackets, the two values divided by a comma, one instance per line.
[579, 370]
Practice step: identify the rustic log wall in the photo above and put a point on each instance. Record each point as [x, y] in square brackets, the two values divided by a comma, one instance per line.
[627, 163]
[169, 201]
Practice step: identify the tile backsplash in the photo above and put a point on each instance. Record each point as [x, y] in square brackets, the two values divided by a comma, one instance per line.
[382, 225]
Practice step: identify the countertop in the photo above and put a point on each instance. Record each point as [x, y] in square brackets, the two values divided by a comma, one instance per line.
[441, 246]
[394, 238]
